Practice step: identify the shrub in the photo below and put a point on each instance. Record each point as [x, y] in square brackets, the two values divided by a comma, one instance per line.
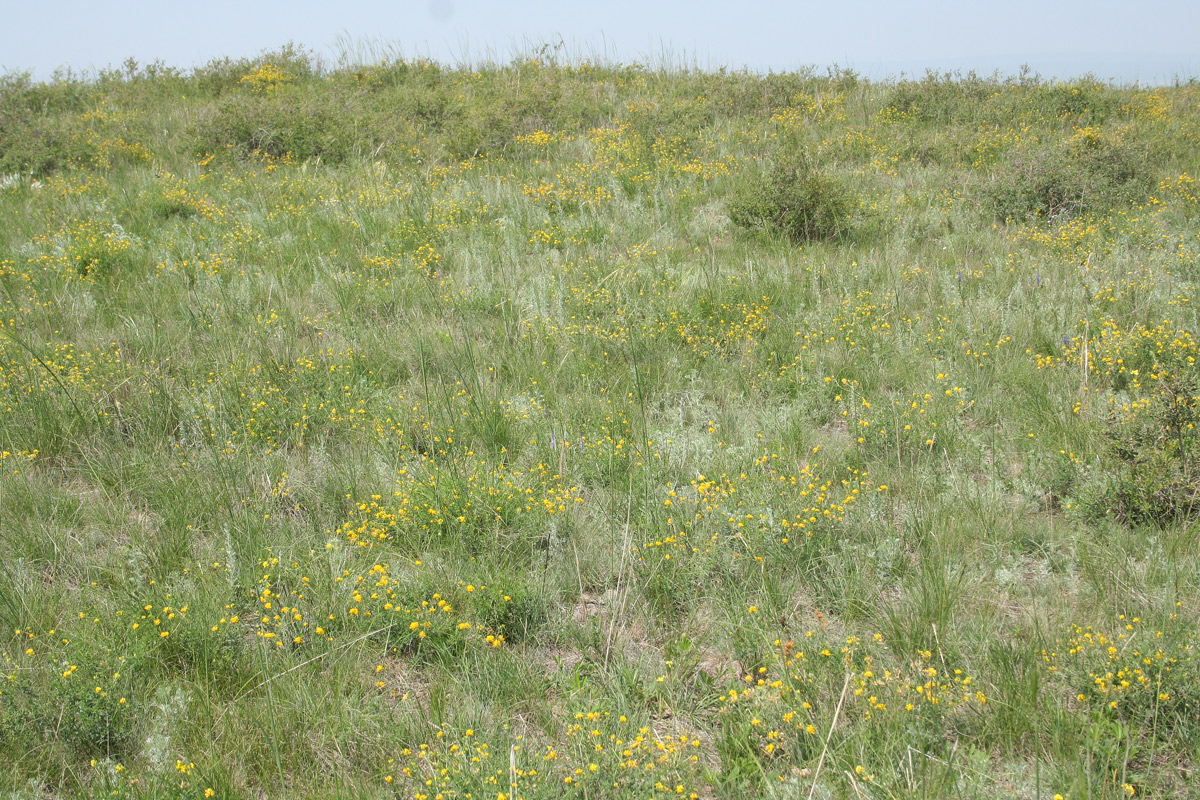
[223, 75]
[941, 99]
[90, 708]
[1084, 101]
[1091, 171]
[796, 198]
[1148, 473]
[40, 146]
[476, 130]
[35, 132]
[45, 128]
[276, 124]
[514, 610]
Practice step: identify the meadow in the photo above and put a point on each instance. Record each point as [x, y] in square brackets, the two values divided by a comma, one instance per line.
[555, 429]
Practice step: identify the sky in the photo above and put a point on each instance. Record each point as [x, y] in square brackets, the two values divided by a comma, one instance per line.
[1147, 41]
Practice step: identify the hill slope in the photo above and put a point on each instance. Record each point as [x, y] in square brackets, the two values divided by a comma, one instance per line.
[596, 431]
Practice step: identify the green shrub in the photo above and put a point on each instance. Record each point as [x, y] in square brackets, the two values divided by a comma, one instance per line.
[89, 708]
[941, 99]
[36, 136]
[797, 199]
[1148, 472]
[276, 124]
[1091, 171]
[514, 610]
[45, 128]
[223, 75]
[1084, 101]
[474, 131]
[40, 146]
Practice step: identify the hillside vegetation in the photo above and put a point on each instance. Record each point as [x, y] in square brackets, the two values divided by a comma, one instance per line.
[568, 430]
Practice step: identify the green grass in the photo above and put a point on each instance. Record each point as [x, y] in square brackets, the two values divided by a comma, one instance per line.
[412, 431]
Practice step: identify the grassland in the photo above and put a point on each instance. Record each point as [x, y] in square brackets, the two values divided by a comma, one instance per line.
[405, 431]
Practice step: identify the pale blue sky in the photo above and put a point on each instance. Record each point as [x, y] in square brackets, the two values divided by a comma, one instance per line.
[1145, 40]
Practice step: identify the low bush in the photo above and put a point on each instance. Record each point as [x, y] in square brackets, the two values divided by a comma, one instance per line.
[1148, 472]
[797, 199]
[90, 709]
[514, 610]
[1084, 101]
[276, 124]
[941, 99]
[35, 135]
[1091, 171]
[40, 146]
